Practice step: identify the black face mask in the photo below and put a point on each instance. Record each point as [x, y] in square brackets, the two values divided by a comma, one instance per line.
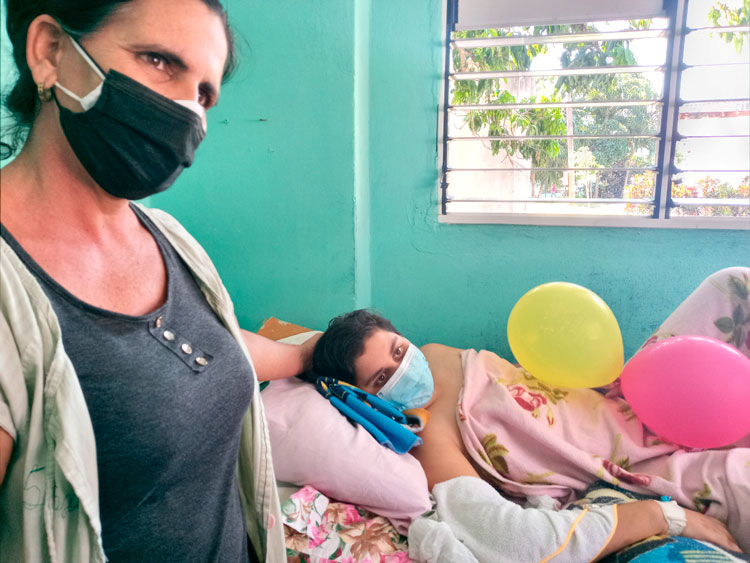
[132, 141]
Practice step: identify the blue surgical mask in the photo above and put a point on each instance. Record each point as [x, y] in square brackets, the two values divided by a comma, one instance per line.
[411, 386]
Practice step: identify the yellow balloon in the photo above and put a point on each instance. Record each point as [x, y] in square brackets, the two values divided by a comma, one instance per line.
[566, 335]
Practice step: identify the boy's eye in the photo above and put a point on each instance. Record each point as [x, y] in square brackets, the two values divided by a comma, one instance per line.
[380, 379]
[399, 351]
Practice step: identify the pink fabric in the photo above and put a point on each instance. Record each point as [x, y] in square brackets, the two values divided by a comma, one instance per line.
[529, 438]
[318, 529]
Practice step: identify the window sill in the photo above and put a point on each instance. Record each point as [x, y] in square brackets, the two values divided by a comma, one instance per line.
[730, 223]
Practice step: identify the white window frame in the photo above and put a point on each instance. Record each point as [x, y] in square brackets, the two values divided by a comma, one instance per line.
[663, 220]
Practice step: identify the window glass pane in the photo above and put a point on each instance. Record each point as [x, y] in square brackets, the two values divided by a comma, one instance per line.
[616, 86]
[704, 13]
[713, 154]
[543, 206]
[637, 120]
[716, 82]
[701, 194]
[608, 120]
[524, 185]
[707, 47]
[715, 118]
[624, 152]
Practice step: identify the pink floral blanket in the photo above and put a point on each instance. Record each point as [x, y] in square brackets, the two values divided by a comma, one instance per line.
[528, 438]
[318, 530]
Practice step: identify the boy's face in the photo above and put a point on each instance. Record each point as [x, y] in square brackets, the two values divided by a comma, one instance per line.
[383, 354]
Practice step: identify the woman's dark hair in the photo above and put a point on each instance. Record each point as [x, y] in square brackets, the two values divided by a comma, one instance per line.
[78, 18]
[342, 343]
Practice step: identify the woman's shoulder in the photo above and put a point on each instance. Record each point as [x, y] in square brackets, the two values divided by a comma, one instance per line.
[177, 235]
[162, 219]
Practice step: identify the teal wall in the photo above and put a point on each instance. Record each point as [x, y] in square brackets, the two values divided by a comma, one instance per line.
[330, 202]
[8, 71]
[271, 194]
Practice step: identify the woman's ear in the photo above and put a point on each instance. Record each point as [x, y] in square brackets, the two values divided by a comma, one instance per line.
[43, 49]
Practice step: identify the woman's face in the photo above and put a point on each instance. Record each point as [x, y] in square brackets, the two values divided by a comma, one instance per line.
[175, 47]
[383, 353]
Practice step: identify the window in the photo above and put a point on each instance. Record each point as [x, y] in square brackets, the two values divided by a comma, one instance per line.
[597, 112]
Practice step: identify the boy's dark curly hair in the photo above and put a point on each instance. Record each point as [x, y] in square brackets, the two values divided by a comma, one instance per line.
[342, 343]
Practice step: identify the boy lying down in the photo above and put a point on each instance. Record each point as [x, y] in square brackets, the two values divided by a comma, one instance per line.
[494, 427]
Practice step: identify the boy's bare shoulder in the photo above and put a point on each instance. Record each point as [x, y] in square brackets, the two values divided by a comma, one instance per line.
[446, 366]
[445, 359]
[441, 350]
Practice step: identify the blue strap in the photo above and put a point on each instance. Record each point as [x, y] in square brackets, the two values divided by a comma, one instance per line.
[381, 419]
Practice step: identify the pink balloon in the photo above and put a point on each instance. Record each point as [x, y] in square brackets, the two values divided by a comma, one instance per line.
[690, 390]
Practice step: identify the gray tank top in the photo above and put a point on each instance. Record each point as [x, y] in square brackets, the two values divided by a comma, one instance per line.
[166, 393]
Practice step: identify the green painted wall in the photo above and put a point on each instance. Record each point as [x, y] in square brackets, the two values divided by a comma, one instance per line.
[316, 191]
[271, 193]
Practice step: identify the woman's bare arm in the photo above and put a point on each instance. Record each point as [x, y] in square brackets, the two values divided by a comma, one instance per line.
[277, 360]
[6, 446]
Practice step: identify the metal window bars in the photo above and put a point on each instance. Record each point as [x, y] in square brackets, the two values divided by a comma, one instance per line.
[664, 170]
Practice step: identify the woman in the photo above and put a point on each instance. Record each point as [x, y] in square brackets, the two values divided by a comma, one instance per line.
[366, 350]
[130, 423]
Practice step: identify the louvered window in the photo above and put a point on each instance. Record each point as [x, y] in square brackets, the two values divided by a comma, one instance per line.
[597, 113]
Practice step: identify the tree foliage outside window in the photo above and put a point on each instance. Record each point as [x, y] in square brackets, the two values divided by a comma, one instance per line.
[723, 15]
[605, 120]
[622, 157]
